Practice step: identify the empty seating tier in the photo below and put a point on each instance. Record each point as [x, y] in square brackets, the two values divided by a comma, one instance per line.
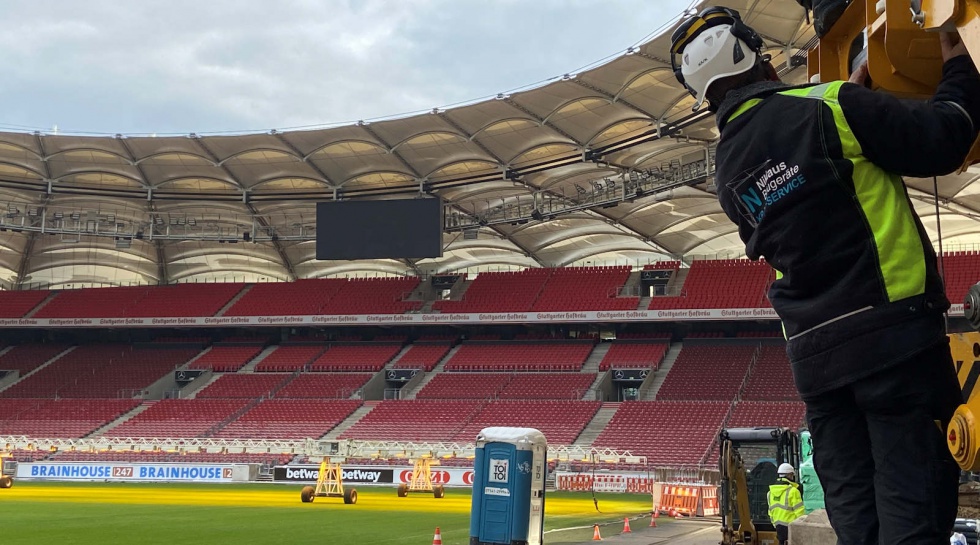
[285, 359]
[708, 372]
[520, 356]
[962, 270]
[507, 386]
[324, 385]
[499, 292]
[532, 386]
[63, 418]
[92, 303]
[28, 357]
[179, 418]
[102, 371]
[226, 359]
[560, 421]
[249, 386]
[374, 296]
[184, 300]
[584, 289]
[355, 357]
[300, 298]
[414, 420]
[423, 356]
[289, 419]
[633, 355]
[750, 414]
[15, 304]
[668, 433]
[718, 284]
[772, 377]
[464, 386]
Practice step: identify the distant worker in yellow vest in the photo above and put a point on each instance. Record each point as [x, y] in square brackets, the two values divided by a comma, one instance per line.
[785, 502]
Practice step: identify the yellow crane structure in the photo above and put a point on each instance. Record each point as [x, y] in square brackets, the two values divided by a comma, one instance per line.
[902, 45]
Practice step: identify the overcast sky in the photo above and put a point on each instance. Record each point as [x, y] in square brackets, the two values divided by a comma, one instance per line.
[177, 66]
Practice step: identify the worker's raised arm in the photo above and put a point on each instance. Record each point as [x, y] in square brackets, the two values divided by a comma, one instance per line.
[915, 137]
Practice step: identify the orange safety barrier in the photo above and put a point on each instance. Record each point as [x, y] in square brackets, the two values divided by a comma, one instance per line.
[708, 504]
[681, 499]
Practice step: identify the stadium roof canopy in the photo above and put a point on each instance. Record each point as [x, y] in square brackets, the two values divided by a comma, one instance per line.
[604, 166]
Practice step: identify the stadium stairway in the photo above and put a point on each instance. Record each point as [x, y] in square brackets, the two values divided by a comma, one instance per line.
[597, 424]
[187, 365]
[354, 418]
[235, 299]
[430, 375]
[632, 286]
[42, 366]
[644, 303]
[595, 358]
[128, 416]
[198, 389]
[676, 282]
[391, 363]
[213, 430]
[41, 305]
[591, 393]
[661, 375]
[250, 366]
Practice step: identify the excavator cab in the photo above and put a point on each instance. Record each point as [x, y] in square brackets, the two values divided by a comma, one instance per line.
[748, 462]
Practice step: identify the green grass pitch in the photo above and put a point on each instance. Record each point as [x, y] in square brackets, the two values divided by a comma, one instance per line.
[167, 514]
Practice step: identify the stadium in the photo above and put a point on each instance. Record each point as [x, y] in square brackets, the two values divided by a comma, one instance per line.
[164, 317]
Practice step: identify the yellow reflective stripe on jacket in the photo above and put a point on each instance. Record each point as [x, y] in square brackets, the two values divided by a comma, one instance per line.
[883, 200]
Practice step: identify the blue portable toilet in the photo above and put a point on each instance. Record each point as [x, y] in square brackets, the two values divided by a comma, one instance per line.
[508, 487]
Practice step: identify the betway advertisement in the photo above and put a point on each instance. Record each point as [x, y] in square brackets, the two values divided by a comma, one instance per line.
[118, 471]
[450, 476]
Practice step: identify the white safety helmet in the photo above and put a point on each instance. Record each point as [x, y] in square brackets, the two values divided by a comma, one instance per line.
[713, 45]
[785, 470]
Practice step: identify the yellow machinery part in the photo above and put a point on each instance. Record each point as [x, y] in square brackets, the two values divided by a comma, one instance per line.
[904, 56]
[962, 433]
[330, 481]
[422, 475]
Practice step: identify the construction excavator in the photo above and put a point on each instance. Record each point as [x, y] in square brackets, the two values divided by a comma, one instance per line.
[747, 465]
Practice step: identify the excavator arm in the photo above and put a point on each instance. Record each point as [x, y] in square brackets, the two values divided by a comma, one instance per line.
[735, 490]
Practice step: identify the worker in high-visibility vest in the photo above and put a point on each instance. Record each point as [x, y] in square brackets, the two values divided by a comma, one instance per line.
[785, 502]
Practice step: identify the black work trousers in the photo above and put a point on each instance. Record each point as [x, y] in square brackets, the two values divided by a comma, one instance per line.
[887, 473]
[782, 534]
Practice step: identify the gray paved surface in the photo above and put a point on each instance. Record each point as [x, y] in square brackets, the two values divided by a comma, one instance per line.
[682, 532]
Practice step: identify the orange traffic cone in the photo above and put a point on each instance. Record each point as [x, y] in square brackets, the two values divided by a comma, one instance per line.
[437, 539]
[626, 525]
[595, 534]
[653, 520]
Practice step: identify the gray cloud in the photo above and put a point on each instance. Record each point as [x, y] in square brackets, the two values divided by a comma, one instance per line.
[222, 65]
